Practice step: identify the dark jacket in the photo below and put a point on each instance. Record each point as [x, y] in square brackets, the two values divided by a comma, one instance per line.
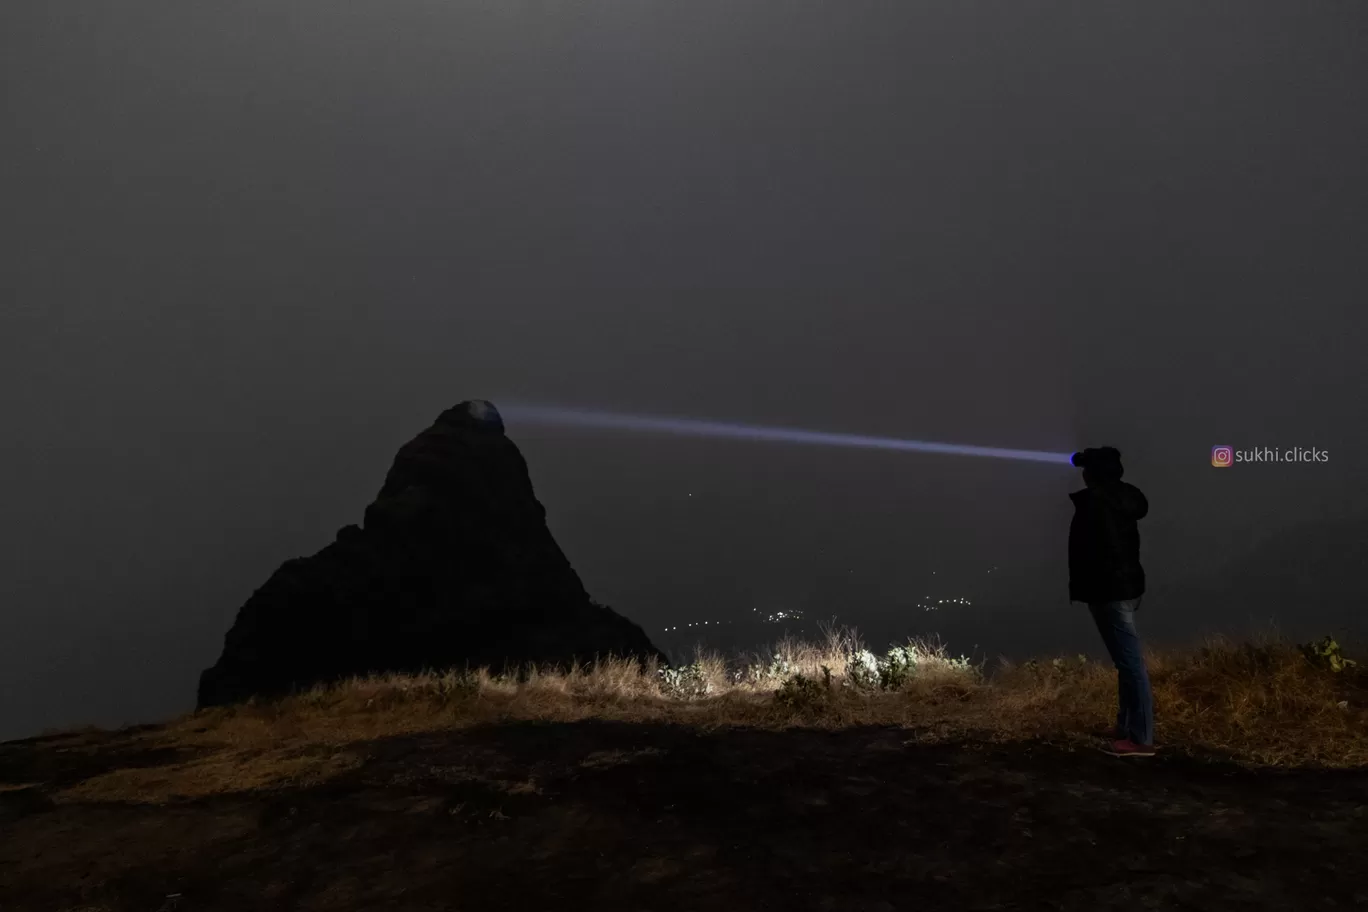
[1104, 543]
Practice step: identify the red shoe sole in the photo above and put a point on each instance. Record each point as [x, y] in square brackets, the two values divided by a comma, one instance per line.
[1115, 753]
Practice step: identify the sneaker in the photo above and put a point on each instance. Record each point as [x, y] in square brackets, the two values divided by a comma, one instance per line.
[1128, 748]
[1116, 734]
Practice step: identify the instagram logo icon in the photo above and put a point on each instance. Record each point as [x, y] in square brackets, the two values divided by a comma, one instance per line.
[1221, 456]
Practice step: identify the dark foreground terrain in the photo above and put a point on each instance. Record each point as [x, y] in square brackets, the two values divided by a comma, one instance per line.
[653, 817]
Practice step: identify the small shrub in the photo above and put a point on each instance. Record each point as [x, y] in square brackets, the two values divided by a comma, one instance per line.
[894, 670]
[799, 692]
[1326, 655]
[758, 674]
[686, 683]
[897, 668]
[862, 670]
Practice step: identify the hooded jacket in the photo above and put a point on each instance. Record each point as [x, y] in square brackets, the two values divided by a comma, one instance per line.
[1104, 543]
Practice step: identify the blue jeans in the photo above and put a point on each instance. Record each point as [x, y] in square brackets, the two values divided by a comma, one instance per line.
[1135, 713]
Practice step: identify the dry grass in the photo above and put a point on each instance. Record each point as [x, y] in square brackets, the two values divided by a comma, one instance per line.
[1261, 703]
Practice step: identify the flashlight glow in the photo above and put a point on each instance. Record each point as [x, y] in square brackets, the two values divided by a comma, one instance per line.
[551, 415]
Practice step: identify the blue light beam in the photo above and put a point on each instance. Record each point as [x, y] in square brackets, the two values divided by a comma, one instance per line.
[551, 415]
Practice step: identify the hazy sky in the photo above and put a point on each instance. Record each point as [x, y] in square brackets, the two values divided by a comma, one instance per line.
[249, 249]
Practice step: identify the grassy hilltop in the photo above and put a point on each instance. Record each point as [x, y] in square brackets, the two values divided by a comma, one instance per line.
[817, 775]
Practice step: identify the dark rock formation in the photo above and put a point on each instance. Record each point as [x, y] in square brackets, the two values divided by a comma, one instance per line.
[453, 567]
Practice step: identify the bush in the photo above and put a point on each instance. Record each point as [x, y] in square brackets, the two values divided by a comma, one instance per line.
[799, 692]
[1326, 655]
[862, 670]
[776, 669]
[893, 671]
[688, 682]
[897, 667]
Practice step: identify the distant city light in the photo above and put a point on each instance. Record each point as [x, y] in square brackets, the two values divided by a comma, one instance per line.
[929, 604]
[771, 618]
[926, 603]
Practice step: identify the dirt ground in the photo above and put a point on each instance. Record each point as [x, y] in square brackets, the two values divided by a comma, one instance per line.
[651, 817]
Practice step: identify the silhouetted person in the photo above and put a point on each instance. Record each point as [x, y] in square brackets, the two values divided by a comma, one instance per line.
[1105, 572]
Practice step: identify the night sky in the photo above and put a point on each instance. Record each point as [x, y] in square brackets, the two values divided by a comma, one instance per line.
[250, 249]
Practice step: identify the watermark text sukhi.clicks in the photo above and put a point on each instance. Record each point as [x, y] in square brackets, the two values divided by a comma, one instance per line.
[1223, 456]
